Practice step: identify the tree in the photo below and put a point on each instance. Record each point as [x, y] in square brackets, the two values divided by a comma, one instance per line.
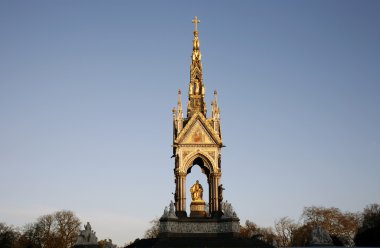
[106, 244]
[45, 231]
[369, 232]
[285, 228]
[154, 230]
[248, 230]
[30, 238]
[57, 230]
[8, 236]
[67, 228]
[341, 225]
[301, 236]
[251, 230]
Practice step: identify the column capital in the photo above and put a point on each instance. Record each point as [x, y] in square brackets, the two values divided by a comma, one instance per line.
[216, 174]
[180, 173]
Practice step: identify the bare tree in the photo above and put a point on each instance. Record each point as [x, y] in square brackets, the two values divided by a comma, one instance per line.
[8, 236]
[57, 230]
[251, 230]
[340, 225]
[154, 230]
[67, 227]
[284, 228]
[368, 233]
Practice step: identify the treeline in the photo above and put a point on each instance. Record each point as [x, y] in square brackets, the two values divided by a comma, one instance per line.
[61, 229]
[57, 230]
[344, 228]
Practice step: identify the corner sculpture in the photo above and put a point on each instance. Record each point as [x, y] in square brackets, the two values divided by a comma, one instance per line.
[87, 238]
[320, 237]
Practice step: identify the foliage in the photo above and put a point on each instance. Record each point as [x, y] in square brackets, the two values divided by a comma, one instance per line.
[106, 243]
[154, 230]
[251, 230]
[284, 229]
[369, 232]
[8, 236]
[343, 226]
[57, 230]
[301, 236]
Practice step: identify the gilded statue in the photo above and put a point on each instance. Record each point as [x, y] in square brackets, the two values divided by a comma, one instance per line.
[197, 87]
[196, 191]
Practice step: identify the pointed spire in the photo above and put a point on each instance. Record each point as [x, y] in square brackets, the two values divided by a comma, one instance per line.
[179, 110]
[196, 87]
[215, 114]
[179, 114]
[215, 107]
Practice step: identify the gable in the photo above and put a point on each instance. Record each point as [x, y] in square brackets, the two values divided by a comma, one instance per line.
[197, 134]
[198, 131]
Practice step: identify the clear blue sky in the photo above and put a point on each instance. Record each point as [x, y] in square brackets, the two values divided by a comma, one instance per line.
[87, 88]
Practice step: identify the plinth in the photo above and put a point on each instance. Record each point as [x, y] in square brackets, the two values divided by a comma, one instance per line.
[199, 227]
[197, 209]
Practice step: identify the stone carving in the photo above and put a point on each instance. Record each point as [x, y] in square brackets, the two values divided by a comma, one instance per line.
[228, 210]
[172, 210]
[108, 244]
[169, 212]
[320, 236]
[196, 191]
[184, 154]
[200, 227]
[197, 88]
[166, 213]
[212, 154]
[87, 236]
[220, 195]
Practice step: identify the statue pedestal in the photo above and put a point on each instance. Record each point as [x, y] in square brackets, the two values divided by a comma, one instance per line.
[197, 209]
[199, 227]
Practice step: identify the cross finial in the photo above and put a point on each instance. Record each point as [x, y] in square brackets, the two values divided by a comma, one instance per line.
[196, 21]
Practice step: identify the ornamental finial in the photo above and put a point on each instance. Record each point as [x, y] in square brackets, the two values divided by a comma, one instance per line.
[196, 21]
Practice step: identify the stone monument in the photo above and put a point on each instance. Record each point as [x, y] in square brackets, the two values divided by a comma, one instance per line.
[320, 237]
[197, 141]
[87, 238]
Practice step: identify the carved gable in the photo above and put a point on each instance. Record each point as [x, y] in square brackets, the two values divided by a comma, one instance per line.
[198, 131]
[197, 134]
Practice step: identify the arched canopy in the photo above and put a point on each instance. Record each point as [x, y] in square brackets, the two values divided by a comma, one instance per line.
[199, 159]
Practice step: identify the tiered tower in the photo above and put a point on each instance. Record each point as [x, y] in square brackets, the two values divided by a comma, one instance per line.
[197, 140]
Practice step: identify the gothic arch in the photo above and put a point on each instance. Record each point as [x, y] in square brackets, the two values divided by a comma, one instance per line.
[188, 163]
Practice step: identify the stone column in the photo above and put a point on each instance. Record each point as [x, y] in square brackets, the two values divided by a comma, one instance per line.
[211, 189]
[217, 183]
[177, 193]
[214, 183]
[209, 193]
[181, 194]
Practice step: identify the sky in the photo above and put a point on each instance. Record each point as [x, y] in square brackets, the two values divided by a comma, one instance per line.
[87, 89]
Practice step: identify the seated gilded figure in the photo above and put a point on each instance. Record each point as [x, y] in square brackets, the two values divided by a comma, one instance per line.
[196, 191]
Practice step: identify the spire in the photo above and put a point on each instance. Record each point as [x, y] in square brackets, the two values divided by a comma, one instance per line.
[180, 111]
[196, 88]
[178, 115]
[215, 115]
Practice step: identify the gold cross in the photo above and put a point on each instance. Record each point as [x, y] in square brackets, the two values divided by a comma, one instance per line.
[196, 21]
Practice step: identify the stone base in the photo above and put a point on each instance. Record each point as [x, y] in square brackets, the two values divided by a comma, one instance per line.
[199, 227]
[165, 242]
[86, 246]
[197, 209]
